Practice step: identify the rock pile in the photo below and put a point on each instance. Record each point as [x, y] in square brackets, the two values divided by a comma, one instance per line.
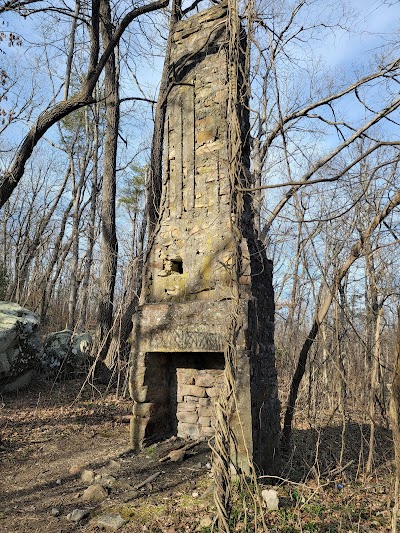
[22, 353]
[99, 486]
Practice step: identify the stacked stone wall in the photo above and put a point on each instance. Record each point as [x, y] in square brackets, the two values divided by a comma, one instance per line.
[175, 393]
[191, 257]
[181, 326]
[196, 396]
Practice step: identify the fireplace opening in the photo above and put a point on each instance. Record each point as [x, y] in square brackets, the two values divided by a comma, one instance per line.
[183, 388]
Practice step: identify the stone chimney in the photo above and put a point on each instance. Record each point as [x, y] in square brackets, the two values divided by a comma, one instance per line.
[180, 329]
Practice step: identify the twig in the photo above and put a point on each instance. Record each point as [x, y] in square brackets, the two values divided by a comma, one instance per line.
[182, 449]
[147, 480]
[339, 469]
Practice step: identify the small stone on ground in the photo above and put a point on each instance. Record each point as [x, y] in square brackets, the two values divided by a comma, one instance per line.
[271, 499]
[94, 493]
[75, 469]
[105, 480]
[77, 515]
[206, 521]
[87, 476]
[111, 521]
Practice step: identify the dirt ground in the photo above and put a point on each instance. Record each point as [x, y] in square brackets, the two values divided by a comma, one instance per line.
[48, 437]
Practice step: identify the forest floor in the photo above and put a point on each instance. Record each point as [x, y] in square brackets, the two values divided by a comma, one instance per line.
[49, 437]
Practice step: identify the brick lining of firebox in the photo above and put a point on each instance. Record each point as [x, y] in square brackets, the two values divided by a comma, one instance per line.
[182, 389]
[196, 395]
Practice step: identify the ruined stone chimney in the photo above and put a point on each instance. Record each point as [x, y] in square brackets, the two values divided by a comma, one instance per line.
[180, 329]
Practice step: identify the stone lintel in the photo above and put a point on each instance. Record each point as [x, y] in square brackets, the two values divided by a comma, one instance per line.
[185, 327]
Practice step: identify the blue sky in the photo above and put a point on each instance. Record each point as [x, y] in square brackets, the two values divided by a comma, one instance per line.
[374, 22]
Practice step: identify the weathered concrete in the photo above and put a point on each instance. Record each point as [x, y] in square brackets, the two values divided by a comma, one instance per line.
[180, 329]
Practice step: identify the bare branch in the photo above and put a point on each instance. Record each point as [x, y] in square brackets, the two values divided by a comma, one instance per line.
[10, 179]
[319, 164]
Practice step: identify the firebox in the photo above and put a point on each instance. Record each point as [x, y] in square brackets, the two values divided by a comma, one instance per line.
[183, 387]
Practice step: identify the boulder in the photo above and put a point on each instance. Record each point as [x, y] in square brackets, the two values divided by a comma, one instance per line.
[64, 353]
[81, 344]
[20, 346]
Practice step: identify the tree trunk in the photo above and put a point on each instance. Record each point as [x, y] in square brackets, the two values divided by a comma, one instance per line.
[341, 343]
[374, 313]
[123, 324]
[395, 419]
[374, 389]
[47, 282]
[155, 181]
[122, 327]
[50, 282]
[71, 49]
[91, 237]
[109, 244]
[76, 193]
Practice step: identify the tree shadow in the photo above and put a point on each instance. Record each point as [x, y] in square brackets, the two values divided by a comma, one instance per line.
[36, 415]
[337, 453]
[135, 467]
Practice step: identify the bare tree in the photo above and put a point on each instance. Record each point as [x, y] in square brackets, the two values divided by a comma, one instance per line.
[91, 224]
[84, 96]
[123, 321]
[356, 251]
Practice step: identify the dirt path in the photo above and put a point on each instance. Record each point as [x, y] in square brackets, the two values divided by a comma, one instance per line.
[47, 440]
